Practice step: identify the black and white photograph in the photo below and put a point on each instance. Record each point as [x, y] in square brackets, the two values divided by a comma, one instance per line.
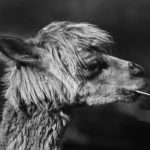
[74, 75]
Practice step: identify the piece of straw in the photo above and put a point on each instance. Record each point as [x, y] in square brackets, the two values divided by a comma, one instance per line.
[140, 92]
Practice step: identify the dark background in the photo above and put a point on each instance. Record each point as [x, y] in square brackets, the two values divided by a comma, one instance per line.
[113, 126]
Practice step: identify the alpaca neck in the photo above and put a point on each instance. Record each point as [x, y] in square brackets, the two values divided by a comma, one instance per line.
[43, 131]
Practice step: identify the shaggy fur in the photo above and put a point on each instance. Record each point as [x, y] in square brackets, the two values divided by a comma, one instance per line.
[66, 64]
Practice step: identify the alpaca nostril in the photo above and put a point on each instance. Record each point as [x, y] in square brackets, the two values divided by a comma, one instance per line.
[136, 70]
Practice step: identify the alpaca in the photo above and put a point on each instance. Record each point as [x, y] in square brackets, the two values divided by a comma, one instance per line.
[66, 65]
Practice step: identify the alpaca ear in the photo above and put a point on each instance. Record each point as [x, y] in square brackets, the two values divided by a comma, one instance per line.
[17, 50]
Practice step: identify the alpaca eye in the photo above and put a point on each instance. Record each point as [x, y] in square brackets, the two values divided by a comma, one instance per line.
[41, 44]
[103, 65]
[97, 66]
[92, 66]
[94, 69]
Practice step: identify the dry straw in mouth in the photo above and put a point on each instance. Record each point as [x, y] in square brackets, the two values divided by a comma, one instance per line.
[144, 93]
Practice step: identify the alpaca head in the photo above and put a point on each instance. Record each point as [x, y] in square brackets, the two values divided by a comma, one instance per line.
[67, 63]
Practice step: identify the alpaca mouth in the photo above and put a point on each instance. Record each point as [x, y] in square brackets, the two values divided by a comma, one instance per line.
[134, 95]
[131, 92]
[143, 91]
[127, 92]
